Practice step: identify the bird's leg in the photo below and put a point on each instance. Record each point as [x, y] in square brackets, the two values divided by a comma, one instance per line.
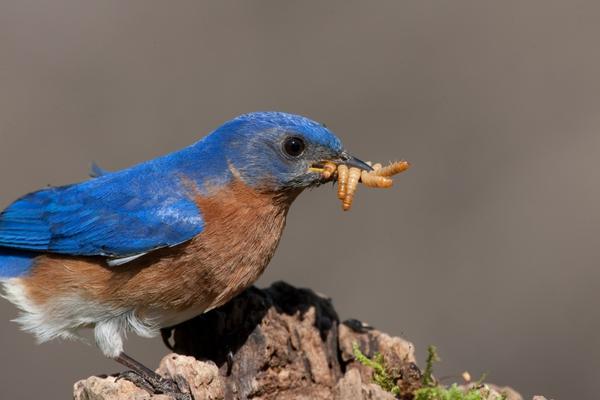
[165, 334]
[149, 380]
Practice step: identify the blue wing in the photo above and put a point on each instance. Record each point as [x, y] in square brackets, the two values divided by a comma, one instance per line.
[115, 215]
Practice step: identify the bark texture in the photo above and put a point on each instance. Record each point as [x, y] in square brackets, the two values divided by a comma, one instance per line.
[278, 343]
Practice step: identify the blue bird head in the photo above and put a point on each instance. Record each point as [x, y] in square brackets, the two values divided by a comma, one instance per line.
[276, 151]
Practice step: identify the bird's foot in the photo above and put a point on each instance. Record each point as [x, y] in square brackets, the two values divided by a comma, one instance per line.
[176, 388]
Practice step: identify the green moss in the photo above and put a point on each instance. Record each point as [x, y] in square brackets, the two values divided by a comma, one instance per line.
[432, 357]
[456, 393]
[385, 377]
[451, 393]
[382, 375]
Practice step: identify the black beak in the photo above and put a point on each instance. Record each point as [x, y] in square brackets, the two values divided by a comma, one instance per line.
[351, 161]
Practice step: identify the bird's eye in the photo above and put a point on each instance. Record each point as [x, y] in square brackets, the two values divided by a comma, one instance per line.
[294, 146]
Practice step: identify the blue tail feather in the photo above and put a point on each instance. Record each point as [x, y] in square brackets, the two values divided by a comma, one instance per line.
[15, 263]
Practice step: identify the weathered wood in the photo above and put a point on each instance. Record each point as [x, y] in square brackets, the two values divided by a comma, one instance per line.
[284, 342]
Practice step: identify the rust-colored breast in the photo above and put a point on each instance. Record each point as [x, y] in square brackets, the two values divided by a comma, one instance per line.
[242, 230]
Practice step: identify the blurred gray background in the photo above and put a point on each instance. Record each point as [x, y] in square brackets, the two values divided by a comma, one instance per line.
[487, 248]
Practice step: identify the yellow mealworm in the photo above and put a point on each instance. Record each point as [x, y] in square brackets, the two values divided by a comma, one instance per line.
[353, 178]
[369, 179]
[342, 171]
[393, 169]
[328, 170]
[349, 177]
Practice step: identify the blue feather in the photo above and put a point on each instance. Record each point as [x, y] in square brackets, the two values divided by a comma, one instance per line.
[96, 170]
[14, 263]
[151, 205]
[118, 214]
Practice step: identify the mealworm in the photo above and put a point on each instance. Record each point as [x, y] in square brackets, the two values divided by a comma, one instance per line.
[393, 169]
[328, 170]
[370, 179]
[353, 178]
[342, 171]
[349, 177]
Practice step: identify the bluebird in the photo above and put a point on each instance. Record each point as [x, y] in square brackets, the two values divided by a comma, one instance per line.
[163, 241]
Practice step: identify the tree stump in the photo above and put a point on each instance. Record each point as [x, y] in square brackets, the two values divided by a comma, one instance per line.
[277, 343]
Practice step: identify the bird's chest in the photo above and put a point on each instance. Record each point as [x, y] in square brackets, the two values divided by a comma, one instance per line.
[242, 231]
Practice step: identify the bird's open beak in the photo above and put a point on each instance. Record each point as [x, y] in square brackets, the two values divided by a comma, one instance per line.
[344, 158]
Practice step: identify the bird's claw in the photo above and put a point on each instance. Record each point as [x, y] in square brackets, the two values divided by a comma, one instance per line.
[176, 388]
[229, 360]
